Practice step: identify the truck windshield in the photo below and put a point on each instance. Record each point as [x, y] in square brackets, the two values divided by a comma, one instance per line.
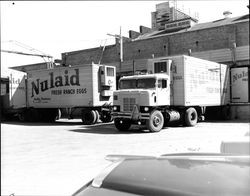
[144, 83]
[128, 84]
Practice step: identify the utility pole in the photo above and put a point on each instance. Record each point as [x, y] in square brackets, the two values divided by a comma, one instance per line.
[121, 45]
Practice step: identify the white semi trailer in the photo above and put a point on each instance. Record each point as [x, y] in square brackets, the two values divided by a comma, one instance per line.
[85, 90]
[175, 89]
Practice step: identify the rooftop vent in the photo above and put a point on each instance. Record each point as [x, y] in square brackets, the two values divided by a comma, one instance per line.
[227, 14]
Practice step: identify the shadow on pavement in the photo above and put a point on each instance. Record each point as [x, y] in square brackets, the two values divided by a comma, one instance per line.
[56, 123]
[108, 128]
[228, 121]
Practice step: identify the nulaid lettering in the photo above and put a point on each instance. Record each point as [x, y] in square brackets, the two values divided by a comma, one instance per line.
[240, 75]
[38, 86]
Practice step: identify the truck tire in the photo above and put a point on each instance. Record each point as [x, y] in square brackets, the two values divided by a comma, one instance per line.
[88, 117]
[122, 124]
[191, 117]
[22, 116]
[155, 122]
[59, 114]
[97, 116]
[106, 117]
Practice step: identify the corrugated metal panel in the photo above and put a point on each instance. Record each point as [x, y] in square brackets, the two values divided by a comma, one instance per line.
[242, 53]
[221, 55]
[127, 66]
[140, 64]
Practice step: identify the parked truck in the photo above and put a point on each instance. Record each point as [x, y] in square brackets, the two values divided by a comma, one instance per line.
[84, 91]
[174, 89]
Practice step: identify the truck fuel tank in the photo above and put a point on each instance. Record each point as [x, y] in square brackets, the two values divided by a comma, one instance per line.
[172, 115]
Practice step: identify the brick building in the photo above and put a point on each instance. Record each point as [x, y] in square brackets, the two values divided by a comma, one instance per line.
[216, 41]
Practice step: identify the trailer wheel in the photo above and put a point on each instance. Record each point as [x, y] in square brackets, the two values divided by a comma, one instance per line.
[88, 117]
[191, 117]
[225, 113]
[122, 124]
[106, 117]
[22, 116]
[59, 114]
[155, 121]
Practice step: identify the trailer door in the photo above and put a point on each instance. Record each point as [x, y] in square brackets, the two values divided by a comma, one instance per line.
[239, 85]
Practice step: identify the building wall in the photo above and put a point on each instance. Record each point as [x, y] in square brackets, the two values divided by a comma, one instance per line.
[242, 34]
[174, 44]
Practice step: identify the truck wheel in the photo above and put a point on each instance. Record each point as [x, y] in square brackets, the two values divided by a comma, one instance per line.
[106, 117]
[97, 116]
[122, 125]
[88, 117]
[191, 117]
[155, 121]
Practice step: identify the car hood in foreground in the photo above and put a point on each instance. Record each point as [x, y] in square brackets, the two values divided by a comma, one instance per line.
[179, 175]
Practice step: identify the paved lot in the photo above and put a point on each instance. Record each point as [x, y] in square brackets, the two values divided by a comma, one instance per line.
[58, 158]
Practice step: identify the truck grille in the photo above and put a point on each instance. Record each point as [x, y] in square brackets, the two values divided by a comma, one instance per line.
[128, 104]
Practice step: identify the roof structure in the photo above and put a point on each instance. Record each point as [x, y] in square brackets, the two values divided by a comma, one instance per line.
[196, 27]
[26, 68]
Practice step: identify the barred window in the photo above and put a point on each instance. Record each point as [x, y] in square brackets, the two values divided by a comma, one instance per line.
[160, 67]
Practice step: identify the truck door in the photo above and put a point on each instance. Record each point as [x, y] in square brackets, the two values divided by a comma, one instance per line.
[163, 92]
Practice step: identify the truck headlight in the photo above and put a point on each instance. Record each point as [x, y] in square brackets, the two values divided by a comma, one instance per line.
[146, 109]
[116, 108]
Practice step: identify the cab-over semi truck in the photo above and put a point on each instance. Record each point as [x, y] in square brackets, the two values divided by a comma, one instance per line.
[175, 89]
[84, 91]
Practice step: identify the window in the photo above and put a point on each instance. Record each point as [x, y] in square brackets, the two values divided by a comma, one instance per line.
[162, 83]
[110, 71]
[146, 83]
[3, 89]
[128, 84]
[160, 67]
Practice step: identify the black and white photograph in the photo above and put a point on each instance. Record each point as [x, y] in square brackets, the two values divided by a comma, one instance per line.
[125, 98]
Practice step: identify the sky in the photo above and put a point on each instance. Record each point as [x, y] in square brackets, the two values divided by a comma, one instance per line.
[54, 27]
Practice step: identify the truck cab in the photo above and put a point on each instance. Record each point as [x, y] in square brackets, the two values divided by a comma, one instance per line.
[138, 96]
[142, 91]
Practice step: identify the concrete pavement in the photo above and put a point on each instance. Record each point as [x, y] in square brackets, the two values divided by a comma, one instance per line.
[58, 158]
